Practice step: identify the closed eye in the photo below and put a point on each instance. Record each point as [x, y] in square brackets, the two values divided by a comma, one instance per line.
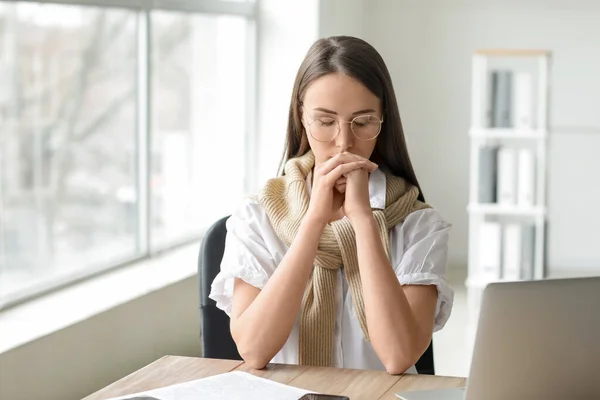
[326, 121]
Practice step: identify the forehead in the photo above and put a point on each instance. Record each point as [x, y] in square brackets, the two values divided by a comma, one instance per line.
[340, 93]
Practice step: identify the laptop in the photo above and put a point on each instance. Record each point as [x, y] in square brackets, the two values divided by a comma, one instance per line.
[535, 339]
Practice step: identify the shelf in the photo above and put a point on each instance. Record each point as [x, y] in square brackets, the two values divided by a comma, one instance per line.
[508, 133]
[499, 232]
[513, 52]
[501, 209]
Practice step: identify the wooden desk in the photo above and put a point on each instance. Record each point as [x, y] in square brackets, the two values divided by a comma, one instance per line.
[355, 384]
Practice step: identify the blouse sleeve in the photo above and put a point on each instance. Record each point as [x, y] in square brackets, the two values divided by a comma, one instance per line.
[246, 255]
[419, 253]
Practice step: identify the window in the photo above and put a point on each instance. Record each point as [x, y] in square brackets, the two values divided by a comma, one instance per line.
[76, 196]
[198, 106]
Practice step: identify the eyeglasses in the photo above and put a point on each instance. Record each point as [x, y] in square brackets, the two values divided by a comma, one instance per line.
[364, 127]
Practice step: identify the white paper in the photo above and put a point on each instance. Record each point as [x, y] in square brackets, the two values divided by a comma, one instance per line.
[234, 385]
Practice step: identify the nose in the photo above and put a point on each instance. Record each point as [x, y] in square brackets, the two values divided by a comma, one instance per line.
[345, 138]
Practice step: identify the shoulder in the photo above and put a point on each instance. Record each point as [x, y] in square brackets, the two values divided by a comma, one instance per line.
[250, 224]
[248, 208]
[249, 215]
[421, 239]
[424, 220]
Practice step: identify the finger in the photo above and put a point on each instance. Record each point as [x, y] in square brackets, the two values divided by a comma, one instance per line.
[357, 157]
[340, 182]
[332, 177]
[372, 166]
[333, 162]
[343, 158]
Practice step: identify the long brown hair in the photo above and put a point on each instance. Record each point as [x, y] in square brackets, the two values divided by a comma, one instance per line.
[357, 59]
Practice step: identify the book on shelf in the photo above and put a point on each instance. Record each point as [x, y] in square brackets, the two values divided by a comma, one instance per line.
[488, 163]
[523, 100]
[490, 251]
[507, 176]
[527, 251]
[501, 96]
[500, 180]
[526, 178]
[511, 251]
[510, 102]
[507, 251]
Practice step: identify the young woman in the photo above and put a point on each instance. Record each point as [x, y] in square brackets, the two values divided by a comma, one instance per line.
[338, 261]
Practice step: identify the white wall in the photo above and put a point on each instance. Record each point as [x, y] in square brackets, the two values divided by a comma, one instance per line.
[428, 47]
[574, 196]
[342, 17]
[85, 357]
[286, 31]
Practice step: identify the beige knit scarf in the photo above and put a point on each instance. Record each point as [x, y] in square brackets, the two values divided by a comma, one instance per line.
[286, 201]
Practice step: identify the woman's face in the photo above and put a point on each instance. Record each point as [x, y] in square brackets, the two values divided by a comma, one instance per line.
[337, 98]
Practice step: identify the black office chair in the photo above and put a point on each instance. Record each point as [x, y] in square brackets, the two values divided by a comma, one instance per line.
[214, 323]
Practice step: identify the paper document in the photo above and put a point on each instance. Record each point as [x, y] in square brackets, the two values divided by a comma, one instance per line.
[228, 386]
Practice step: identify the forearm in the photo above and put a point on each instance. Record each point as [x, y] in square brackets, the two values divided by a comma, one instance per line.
[262, 329]
[393, 328]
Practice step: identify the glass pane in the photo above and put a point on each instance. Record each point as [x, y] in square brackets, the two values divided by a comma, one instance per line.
[198, 121]
[67, 142]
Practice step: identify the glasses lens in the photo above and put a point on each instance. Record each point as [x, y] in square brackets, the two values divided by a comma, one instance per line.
[324, 128]
[366, 127]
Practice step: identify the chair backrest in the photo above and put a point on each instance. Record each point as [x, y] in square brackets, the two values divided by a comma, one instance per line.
[425, 365]
[214, 323]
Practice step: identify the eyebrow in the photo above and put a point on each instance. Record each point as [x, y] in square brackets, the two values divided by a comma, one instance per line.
[366, 111]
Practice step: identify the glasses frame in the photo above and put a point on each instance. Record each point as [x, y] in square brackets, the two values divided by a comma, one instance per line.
[339, 126]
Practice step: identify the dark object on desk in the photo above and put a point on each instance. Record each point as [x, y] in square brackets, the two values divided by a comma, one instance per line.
[315, 396]
[214, 323]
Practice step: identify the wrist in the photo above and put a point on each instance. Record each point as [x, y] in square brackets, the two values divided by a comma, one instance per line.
[362, 218]
[311, 222]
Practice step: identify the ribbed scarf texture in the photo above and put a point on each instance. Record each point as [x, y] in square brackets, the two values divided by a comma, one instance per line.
[285, 200]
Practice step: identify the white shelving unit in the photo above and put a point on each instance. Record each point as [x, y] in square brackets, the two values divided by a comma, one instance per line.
[533, 137]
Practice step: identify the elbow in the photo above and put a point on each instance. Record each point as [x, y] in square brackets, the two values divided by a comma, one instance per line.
[251, 353]
[254, 360]
[397, 366]
[399, 361]
[256, 363]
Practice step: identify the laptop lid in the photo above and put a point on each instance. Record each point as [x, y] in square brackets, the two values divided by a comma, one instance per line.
[537, 340]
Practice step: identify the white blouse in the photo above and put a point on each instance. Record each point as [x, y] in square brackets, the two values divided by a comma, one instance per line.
[418, 252]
